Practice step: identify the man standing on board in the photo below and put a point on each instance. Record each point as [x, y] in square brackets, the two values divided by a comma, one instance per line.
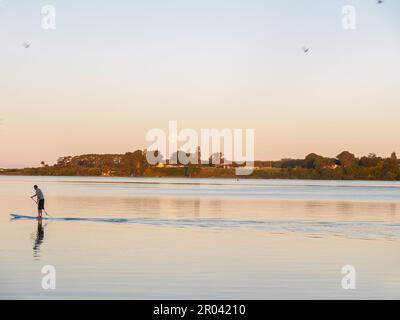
[40, 200]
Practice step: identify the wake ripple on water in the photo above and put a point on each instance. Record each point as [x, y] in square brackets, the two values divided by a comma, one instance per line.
[370, 230]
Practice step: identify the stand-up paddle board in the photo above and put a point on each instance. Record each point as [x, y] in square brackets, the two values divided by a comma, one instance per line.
[15, 216]
[24, 217]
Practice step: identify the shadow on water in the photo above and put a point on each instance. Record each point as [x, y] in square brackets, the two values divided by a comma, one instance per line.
[38, 239]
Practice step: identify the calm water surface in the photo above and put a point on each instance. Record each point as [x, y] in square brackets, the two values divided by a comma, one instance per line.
[128, 238]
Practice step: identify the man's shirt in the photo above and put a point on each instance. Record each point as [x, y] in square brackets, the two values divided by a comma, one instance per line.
[39, 194]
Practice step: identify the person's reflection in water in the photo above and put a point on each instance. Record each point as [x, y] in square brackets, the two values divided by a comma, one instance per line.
[38, 240]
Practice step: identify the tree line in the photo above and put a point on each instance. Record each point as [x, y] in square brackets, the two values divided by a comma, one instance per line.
[345, 166]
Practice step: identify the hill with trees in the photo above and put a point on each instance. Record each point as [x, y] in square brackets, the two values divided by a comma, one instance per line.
[345, 166]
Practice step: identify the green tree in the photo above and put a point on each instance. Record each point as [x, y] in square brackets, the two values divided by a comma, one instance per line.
[391, 167]
[347, 159]
[370, 161]
[315, 161]
[134, 163]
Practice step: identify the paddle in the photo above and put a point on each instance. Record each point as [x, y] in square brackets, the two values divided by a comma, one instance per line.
[43, 210]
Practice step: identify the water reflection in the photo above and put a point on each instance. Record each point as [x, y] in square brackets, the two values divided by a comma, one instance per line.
[212, 241]
[38, 240]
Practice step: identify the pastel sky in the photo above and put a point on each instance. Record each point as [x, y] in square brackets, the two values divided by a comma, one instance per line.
[112, 70]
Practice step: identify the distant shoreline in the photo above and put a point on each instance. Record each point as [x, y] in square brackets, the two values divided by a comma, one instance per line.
[219, 174]
[237, 178]
[134, 164]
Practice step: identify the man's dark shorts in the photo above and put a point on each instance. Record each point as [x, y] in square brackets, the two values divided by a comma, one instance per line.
[41, 204]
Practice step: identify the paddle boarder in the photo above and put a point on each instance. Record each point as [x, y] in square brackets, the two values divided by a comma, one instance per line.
[39, 200]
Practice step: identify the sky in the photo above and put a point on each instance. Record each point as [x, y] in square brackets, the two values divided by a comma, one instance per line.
[113, 70]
